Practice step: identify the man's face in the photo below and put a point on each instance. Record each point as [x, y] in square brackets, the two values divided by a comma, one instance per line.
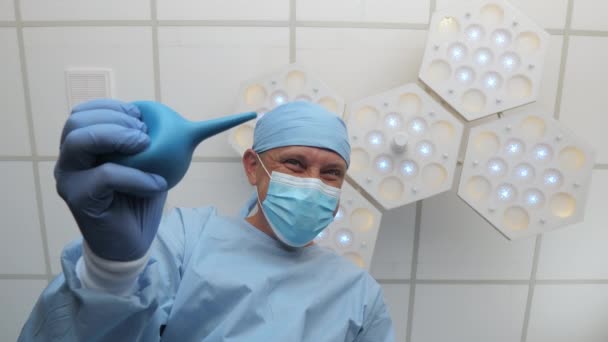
[299, 161]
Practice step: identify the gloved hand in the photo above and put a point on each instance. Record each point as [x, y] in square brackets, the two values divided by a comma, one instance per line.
[117, 208]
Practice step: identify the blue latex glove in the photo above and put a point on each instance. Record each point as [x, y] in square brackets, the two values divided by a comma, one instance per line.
[117, 208]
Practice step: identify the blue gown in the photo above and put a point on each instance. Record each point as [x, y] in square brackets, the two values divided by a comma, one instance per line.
[211, 278]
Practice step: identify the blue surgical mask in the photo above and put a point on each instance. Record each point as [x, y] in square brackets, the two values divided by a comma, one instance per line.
[298, 208]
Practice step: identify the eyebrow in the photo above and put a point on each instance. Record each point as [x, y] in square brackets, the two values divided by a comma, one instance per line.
[298, 155]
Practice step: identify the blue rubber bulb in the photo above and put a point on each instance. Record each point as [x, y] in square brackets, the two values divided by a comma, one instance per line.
[172, 140]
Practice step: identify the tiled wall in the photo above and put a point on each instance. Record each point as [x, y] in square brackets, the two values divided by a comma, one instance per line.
[447, 274]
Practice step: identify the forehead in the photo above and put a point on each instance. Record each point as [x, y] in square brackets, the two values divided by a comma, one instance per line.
[311, 154]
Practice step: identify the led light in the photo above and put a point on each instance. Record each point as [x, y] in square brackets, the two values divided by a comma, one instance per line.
[278, 98]
[510, 61]
[501, 38]
[393, 120]
[542, 152]
[524, 172]
[384, 164]
[497, 167]
[425, 148]
[553, 178]
[514, 147]
[344, 238]
[375, 138]
[506, 192]
[534, 198]
[417, 126]
[465, 75]
[409, 168]
[457, 52]
[492, 80]
[474, 33]
[483, 57]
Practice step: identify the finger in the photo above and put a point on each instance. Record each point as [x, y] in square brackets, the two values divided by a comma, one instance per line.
[82, 146]
[116, 105]
[110, 177]
[100, 116]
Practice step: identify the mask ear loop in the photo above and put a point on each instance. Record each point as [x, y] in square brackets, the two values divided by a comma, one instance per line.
[263, 166]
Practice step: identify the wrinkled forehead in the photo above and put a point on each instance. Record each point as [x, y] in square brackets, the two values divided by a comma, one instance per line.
[302, 124]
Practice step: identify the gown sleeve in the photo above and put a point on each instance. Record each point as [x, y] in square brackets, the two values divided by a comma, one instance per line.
[67, 311]
[378, 326]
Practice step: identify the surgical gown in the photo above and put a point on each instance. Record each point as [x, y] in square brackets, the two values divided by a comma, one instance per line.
[212, 278]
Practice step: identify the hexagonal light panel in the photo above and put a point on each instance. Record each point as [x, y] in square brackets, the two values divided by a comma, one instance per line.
[484, 59]
[404, 145]
[292, 83]
[526, 174]
[354, 230]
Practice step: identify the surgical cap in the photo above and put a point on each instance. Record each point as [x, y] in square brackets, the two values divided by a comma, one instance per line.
[301, 124]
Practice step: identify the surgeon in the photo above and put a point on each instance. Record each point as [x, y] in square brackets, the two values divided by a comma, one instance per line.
[194, 275]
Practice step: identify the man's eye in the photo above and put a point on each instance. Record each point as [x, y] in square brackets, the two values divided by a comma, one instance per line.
[293, 162]
[334, 172]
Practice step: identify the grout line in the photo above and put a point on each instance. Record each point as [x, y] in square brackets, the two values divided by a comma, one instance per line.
[77, 23]
[370, 25]
[231, 23]
[24, 277]
[555, 32]
[33, 147]
[600, 167]
[386, 281]
[591, 33]
[564, 60]
[572, 282]
[292, 31]
[8, 24]
[531, 288]
[432, 8]
[472, 282]
[413, 272]
[155, 51]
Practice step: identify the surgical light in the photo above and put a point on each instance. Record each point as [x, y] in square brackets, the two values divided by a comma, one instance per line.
[526, 192]
[475, 57]
[291, 83]
[405, 145]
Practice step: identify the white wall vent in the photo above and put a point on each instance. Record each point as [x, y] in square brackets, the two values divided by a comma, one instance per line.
[88, 84]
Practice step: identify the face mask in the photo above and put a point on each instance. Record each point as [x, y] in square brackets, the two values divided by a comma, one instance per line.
[297, 208]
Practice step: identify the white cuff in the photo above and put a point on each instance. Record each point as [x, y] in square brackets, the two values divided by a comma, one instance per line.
[115, 277]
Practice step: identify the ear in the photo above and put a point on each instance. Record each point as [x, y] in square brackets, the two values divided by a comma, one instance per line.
[250, 164]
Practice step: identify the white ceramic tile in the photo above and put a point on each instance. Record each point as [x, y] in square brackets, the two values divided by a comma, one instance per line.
[583, 98]
[125, 50]
[223, 10]
[85, 10]
[202, 69]
[566, 313]
[14, 138]
[457, 243]
[222, 185]
[579, 251]
[7, 10]
[397, 298]
[548, 84]
[472, 313]
[17, 301]
[549, 14]
[357, 63]
[402, 11]
[21, 242]
[393, 253]
[589, 15]
[60, 225]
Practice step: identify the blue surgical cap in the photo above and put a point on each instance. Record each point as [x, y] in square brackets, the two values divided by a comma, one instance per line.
[301, 124]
